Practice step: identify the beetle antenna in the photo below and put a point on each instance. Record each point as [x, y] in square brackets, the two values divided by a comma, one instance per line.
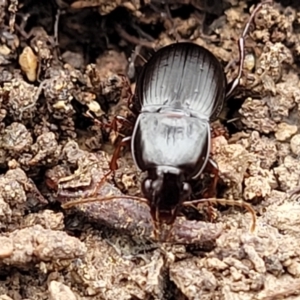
[73, 203]
[224, 202]
[233, 85]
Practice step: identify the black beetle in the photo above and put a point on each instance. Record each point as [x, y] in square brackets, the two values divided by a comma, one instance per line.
[180, 90]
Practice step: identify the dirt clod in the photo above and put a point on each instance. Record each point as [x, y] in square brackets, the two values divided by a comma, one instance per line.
[67, 68]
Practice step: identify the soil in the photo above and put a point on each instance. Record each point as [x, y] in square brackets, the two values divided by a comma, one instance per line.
[67, 68]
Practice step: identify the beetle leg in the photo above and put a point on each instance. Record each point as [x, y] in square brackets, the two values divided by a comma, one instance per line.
[239, 203]
[211, 168]
[233, 85]
[132, 39]
[96, 121]
[129, 94]
[114, 124]
[121, 120]
[113, 162]
[219, 130]
[82, 194]
[117, 119]
[173, 29]
[210, 191]
[127, 90]
[132, 60]
[99, 184]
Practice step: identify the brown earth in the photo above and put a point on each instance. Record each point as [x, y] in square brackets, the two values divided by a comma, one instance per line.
[64, 73]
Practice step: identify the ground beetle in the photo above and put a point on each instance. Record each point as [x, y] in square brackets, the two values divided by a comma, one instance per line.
[180, 90]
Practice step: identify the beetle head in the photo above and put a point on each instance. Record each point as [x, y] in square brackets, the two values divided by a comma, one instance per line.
[165, 191]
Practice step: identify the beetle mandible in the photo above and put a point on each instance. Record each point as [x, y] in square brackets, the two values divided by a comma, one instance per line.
[180, 90]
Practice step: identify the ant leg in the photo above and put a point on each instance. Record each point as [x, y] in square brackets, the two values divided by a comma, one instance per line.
[239, 203]
[233, 85]
[113, 163]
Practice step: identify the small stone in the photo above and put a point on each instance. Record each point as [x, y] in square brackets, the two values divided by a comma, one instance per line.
[6, 248]
[29, 63]
[285, 131]
[294, 269]
[295, 144]
[257, 261]
[5, 297]
[217, 264]
[59, 291]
